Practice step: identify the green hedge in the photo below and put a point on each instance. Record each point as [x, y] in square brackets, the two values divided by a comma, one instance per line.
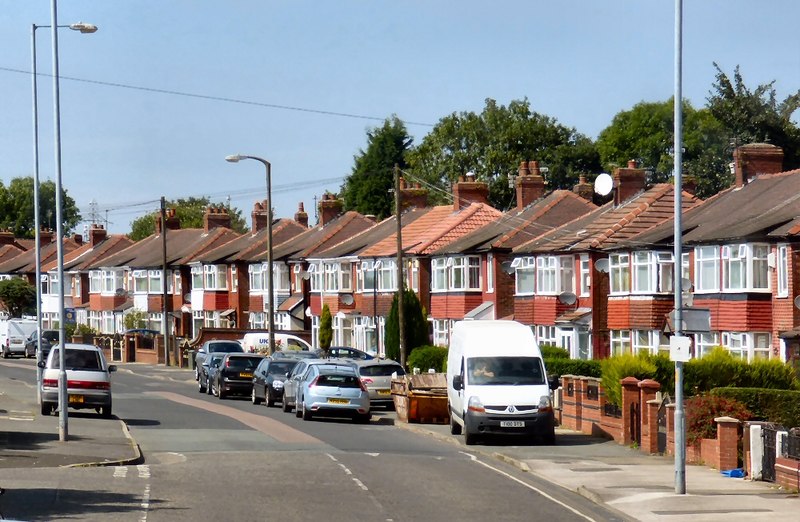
[720, 369]
[779, 406]
[614, 369]
[550, 351]
[425, 357]
[559, 367]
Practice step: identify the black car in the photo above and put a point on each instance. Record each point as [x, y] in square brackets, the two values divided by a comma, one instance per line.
[235, 374]
[268, 379]
[49, 338]
[208, 371]
[215, 346]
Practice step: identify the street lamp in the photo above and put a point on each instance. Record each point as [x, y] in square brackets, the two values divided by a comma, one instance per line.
[62, 396]
[235, 158]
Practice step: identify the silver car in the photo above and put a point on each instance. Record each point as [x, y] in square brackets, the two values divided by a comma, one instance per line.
[376, 374]
[291, 385]
[333, 390]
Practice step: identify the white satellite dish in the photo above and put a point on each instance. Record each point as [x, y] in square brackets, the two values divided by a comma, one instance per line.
[797, 301]
[567, 298]
[308, 311]
[506, 267]
[686, 284]
[305, 275]
[603, 184]
[347, 299]
[601, 265]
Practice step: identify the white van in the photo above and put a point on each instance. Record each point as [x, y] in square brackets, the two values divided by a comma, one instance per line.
[259, 342]
[13, 334]
[496, 382]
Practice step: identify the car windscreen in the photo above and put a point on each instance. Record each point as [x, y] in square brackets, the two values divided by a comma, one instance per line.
[86, 360]
[225, 347]
[280, 368]
[500, 371]
[338, 381]
[243, 363]
[381, 370]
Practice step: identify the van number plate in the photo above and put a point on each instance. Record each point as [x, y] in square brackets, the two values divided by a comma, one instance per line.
[512, 424]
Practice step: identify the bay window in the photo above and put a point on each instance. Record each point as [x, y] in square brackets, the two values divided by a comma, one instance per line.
[706, 269]
[154, 282]
[256, 273]
[216, 277]
[620, 342]
[366, 275]
[546, 272]
[197, 277]
[387, 276]
[525, 275]
[745, 267]
[140, 281]
[619, 271]
[439, 274]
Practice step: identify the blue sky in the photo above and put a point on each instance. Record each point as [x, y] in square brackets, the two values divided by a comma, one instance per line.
[580, 62]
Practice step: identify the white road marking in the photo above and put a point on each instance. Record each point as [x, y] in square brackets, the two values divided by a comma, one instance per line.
[372, 454]
[120, 472]
[348, 472]
[537, 490]
[145, 503]
[144, 470]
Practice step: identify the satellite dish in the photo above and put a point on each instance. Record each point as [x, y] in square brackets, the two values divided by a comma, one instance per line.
[567, 298]
[308, 311]
[797, 302]
[601, 265]
[506, 267]
[347, 299]
[187, 297]
[603, 184]
[686, 284]
[305, 275]
[120, 292]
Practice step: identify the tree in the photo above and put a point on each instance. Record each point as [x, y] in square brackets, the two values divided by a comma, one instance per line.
[19, 296]
[190, 211]
[416, 326]
[16, 208]
[325, 329]
[493, 143]
[756, 116]
[366, 189]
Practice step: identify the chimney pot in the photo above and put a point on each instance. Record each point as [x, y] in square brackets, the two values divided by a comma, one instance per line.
[632, 164]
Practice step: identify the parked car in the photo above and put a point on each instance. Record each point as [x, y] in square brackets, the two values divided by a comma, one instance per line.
[234, 376]
[215, 346]
[268, 379]
[49, 338]
[376, 374]
[88, 379]
[345, 352]
[333, 390]
[292, 383]
[207, 371]
[296, 354]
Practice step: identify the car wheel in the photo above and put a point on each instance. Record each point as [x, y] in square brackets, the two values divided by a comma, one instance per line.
[5, 354]
[47, 409]
[253, 398]
[209, 389]
[200, 387]
[298, 404]
[455, 428]
[196, 375]
[268, 396]
[364, 418]
[286, 407]
[105, 412]
[306, 412]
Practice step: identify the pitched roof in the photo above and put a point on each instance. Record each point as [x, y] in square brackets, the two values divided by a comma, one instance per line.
[767, 206]
[436, 228]
[87, 254]
[611, 226]
[518, 226]
[244, 246]
[25, 263]
[9, 252]
[319, 238]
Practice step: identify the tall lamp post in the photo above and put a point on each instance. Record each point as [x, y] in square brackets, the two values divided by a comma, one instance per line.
[62, 374]
[270, 294]
[86, 29]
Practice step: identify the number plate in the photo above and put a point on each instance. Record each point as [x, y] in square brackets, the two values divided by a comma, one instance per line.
[245, 375]
[75, 399]
[512, 424]
[384, 392]
[338, 401]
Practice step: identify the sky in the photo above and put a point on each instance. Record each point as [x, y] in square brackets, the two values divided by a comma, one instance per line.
[153, 102]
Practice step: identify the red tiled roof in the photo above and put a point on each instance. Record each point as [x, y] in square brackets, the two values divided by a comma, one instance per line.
[87, 254]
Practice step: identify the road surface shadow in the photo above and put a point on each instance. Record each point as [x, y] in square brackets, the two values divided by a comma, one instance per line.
[23, 440]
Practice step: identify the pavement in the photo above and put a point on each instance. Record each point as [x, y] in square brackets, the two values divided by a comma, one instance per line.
[623, 479]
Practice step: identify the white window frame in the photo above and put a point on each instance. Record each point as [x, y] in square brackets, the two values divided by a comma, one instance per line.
[95, 282]
[234, 279]
[585, 276]
[256, 275]
[439, 274]
[643, 272]
[619, 274]
[441, 332]
[525, 275]
[782, 267]
[489, 273]
[367, 275]
[547, 275]
[705, 343]
[197, 277]
[387, 276]
[620, 342]
[215, 277]
[546, 334]
[139, 281]
[154, 282]
[706, 268]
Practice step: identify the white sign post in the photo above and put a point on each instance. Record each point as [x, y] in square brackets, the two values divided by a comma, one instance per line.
[679, 346]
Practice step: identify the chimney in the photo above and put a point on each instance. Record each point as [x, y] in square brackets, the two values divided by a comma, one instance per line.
[77, 238]
[45, 236]
[7, 238]
[173, 221]
[628, 182]
[216, 217]
[301, 216]
[259, 216]
[584, 189]
[756, 158]
[529, 184]
[467, 191]
[97, 234]
[415, 197]
[330, 207]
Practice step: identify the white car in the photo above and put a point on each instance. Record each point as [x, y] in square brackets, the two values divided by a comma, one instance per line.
[88, 379]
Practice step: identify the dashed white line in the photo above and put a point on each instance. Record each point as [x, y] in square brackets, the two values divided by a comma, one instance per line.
[120, 472]
[144, 470]
[348, 472]
[145, 503]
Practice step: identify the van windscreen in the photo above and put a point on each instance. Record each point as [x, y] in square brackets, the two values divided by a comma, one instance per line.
[505, 371]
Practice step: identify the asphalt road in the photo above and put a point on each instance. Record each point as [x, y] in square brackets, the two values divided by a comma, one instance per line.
[211, 459]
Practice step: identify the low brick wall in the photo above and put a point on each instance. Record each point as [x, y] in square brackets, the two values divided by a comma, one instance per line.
[787, 473]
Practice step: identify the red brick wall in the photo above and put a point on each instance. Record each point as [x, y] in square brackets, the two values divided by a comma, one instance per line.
[751, 314]
[787, 473]
[504, 288]
[99, 302]
[453, 305]
[212, 300]
[523, 309]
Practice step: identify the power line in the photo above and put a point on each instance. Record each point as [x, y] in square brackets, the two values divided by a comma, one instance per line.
[216, 98]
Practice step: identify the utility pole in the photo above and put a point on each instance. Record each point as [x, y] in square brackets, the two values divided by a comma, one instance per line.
[164, 308]
[401, 284]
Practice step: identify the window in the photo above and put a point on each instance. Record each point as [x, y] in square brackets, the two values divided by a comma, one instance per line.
[736, 343]
[705, 343]
[760, 266]
[112, 280]
[257, 320]
[526, 275]
[197, 277]
[234, 279]
[441, 332]
[346, 277]
[367, 275]
[643, 272]
[748, 346]
[665, 272]
[316, 276]
[783, 271]
[620, 342]
[154, 279]
[465, 273]
[197, 322]
[761, 346]
[546, 334]
[256, 273]
[706, 269]
[649, 341]
[619, 273]
[76, 285]
[413, 265]
[338, 277]
[95, 283]
[216, 277]
[44, 285]
[438, 274]
[490, 273]
[546, 271]
[566, 274]
[745, 267]
[95, 320]
[140, 281]
[585, 275]
[387, 276]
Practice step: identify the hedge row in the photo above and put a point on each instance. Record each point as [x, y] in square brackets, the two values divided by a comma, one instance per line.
[779, 406]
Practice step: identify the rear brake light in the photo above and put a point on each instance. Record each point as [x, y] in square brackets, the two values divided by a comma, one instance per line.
[314, 382]
[366, 380]
[361, 385]
[50, 383]
[89, 385]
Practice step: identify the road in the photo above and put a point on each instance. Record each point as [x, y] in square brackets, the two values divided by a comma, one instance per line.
[211, 459]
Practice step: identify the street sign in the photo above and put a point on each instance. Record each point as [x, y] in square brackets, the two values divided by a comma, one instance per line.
[679, 348]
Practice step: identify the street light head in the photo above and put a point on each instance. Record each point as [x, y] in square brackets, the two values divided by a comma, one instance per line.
[84, 28]
[234, 158]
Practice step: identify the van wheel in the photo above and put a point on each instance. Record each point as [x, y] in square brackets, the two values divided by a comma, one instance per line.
[470, 438]
[455, 428]
[47, 409]
[549, 439]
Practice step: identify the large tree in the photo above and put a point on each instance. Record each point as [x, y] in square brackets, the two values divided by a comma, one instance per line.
[493, 143]
[416, 326]
[190, 211]
[752, 116]
[366, 189]
[16, 207]
[18, 295]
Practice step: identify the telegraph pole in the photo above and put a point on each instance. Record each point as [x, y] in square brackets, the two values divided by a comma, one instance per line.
[164, 308]
[400, 280]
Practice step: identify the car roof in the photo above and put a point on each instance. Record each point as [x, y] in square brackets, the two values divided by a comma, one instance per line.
[377, 362]
[78, 346]
[336, 368]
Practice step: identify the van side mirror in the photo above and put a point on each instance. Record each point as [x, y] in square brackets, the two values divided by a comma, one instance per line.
[458, 382]
[41, 364]
[112, 368]
[554, 382]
